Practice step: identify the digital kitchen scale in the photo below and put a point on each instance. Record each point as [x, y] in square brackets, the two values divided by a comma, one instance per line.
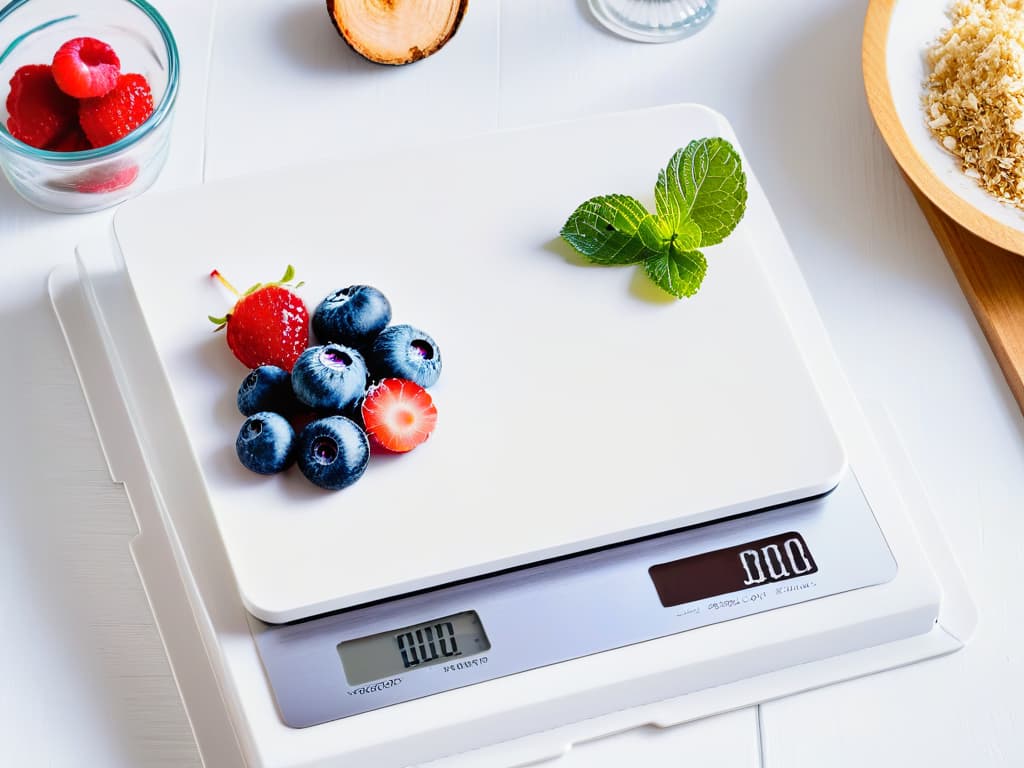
[632, 511]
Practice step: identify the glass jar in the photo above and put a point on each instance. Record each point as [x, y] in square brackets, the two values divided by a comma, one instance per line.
[653, 21]
[31, 31]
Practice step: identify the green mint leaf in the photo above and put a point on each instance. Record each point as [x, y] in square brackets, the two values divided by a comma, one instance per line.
[704, 182]
[614, 229]
[677, 272]
[655, 233]
[668, 205]
[688, 236]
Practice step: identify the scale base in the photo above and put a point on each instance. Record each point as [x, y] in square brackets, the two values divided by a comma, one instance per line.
[512, 721]
[218, 671]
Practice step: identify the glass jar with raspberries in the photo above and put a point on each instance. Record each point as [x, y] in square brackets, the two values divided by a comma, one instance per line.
[86, 99]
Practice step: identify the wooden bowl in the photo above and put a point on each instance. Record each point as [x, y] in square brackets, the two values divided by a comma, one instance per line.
[896, 35]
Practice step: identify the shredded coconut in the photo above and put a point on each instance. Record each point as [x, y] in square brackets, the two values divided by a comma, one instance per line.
[974, 96]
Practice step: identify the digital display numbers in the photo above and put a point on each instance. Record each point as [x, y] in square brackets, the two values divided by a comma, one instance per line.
[422, 645]
[756, 563]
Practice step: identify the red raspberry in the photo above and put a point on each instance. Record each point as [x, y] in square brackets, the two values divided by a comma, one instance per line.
[108, 118]
[72, 141]
[39, 112]
[104, 180]
[86, 68]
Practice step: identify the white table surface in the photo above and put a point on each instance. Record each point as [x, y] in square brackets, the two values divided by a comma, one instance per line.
[83, 680]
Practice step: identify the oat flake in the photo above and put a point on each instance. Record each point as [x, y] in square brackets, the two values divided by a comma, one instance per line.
[974, 95]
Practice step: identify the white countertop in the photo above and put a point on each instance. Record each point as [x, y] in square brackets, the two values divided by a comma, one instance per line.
[84, 677]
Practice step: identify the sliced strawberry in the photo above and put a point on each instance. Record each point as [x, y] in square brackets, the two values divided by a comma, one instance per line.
[111, 117]
[86, 68]
[398, 414]
[39, 113]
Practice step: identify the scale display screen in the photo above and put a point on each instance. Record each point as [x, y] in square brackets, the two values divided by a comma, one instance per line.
[756, 563]
[421, 645]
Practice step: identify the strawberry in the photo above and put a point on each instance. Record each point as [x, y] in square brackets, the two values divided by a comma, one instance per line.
[39, 113]
[398, 414]
[106, 119]
[86, 68]
[269, 325]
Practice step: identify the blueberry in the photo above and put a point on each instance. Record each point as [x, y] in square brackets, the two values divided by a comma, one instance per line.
[404, 352]
[355, 411]
[267, 388]
[352, 316]
[329, 378]
[265, 443]
[333, 452]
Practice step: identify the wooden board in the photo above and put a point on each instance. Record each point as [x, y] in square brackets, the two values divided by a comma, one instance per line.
[960, 215]
[992, 279]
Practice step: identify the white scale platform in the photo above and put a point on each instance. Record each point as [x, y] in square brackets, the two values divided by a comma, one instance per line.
[576, 411]
[573, 412]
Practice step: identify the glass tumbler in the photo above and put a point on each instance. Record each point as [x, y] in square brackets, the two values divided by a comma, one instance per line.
[31, 31]
[653, 21]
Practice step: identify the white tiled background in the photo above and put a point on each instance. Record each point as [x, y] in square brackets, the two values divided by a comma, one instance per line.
[267, 83]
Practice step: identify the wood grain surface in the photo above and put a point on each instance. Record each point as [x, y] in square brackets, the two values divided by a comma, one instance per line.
[993, 282]
[981, 251]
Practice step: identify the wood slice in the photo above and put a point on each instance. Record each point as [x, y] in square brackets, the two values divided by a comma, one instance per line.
[396, 31]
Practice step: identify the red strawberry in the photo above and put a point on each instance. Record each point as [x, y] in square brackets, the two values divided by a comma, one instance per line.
[72, 141]
[398, 414]
[108, 118]
[86, 68]
[269, 325]
[39, 112]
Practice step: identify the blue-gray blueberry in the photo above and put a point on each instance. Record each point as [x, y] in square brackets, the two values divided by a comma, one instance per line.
[265, 443]
[329, 378]
[352, 316]
[404, 352]
[333, 452]
[267, 388]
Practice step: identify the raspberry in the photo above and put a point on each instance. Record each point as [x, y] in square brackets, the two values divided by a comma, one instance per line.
[102, 180]
[86, 68]
[39, 112]
[109, 118]
[72, 141]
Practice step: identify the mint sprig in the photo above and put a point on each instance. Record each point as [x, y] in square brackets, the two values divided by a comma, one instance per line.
[700, 197]
[615, 229]
[677, 272]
